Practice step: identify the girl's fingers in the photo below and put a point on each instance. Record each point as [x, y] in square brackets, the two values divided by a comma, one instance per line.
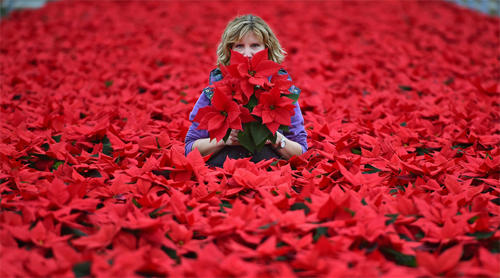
[232, 140]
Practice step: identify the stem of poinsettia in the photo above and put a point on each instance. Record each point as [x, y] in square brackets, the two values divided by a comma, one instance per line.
[245, 138]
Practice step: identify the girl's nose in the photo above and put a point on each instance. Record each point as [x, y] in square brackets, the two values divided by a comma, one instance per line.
[247, 53]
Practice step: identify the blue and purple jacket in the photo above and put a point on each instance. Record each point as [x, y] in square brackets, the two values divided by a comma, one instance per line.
[296, 133]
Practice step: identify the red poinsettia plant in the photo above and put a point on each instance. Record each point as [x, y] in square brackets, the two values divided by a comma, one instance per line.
[252, 98]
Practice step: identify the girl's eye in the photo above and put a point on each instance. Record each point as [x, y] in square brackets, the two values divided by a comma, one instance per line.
[239, 46]
[255, 45]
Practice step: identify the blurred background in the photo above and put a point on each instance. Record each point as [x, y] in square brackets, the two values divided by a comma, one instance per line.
[491, 7]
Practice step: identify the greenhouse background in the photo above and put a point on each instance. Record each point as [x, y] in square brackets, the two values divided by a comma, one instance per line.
[491, 7]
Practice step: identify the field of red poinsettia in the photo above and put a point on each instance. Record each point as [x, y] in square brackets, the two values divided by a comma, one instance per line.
[401, 104]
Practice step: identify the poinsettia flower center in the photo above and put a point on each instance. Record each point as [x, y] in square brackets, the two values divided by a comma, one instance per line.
[271, 107]
[223, 113]
[251, 72]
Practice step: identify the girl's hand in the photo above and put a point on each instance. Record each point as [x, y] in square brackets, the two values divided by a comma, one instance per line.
[280, 136]
[232, 140]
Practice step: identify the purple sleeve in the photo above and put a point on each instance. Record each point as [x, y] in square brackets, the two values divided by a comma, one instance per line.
[297, 132]
[193, 134]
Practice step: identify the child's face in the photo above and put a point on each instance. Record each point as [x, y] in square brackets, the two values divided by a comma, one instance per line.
[249, 45]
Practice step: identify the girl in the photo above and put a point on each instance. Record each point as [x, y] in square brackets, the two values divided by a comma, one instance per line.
[247, 34]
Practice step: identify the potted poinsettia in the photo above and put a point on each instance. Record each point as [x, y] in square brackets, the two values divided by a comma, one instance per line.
[253, 98]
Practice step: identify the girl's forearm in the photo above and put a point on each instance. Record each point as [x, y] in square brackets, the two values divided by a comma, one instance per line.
[206, 147]
[291, 148]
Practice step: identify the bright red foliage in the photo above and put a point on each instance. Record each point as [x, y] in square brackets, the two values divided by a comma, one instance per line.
[252, 72]
[401, 179]
[221, 115]
[245, 79]
[274, 109]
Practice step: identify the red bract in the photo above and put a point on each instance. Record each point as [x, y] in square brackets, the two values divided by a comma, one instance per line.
[223, 114]
[274, 109]
[401, 178]
[232, 88]
[252, 72]
[281, 82]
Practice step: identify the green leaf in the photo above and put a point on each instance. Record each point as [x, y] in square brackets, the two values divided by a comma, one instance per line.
[259, 132]
[190, 255]
[363, 202]
[26, 157]
[273, 137]
[264, 227]
[405, 237]
[72, 231]
[392, 220]
[293, 97]
[373, 171]
[57, 138]
[252, 102]
[93, 173]
[246, 140]
[267, 225]
[108, 83]
[170, 252]
[405, 87]
[352, 212]
[82, 269]
[223, 205]
[284, 128]
[299, 206]
[473, 219]
[106, 146]
[356, 151]
[420, 234]
[154, 213]
[260, 146]
[308, 199]
[401, 259]
[462, 146]
[134, 201]
[57, 164]
[320, 231]
[403, 124]
[228, 132]
[482, 235]
[422, 151]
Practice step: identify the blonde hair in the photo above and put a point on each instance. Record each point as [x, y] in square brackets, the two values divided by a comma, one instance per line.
[239, 27]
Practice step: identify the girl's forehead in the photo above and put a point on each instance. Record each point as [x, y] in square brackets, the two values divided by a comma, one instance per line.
[251, 35]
